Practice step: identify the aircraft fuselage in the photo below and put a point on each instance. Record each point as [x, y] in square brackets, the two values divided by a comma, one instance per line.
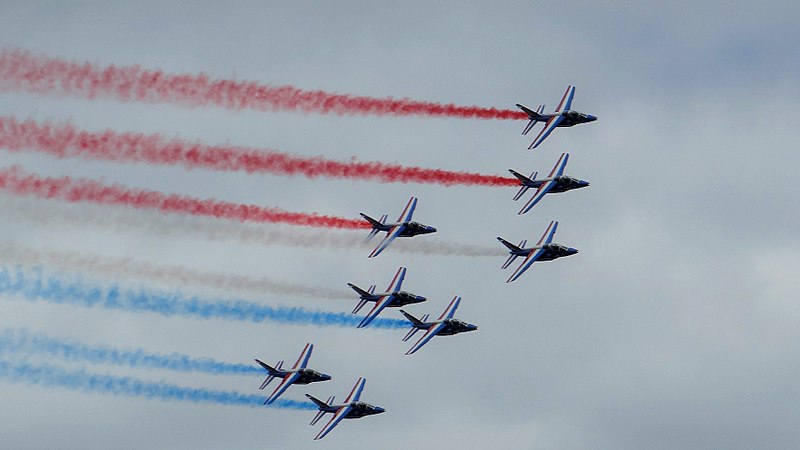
[555, 251]
[403, 298]
[415, 228]
[572, 118]
[361, 409]
[308, 376]
[563, 184]
[455, 326]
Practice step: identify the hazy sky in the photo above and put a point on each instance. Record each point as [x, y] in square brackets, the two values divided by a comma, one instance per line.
[676, 326]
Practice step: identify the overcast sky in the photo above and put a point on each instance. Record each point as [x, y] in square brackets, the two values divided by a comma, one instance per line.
[676, 326]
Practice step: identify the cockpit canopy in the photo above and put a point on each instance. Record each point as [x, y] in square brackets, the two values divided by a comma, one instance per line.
[362, 405]
[576, 115]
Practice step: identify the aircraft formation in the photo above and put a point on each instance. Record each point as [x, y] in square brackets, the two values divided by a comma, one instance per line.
[394, 297]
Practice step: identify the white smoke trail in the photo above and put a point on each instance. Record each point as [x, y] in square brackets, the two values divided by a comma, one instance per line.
[11, 253]
[126, 221]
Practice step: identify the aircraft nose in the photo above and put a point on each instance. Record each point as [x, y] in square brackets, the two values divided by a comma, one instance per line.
[431, 230]
[325, 377]
[591, 117]
[472, 327]
[572, 251]
[420, 299]
[379, 410]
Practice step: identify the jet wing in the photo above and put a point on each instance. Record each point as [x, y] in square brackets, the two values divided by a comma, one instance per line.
[302, 360]
[373, 313]
[355, 393]
[451, 308]
[544, 188]
[354, 396]
[390, 236]
[287, 381]
[337, 417]
[566, 100]
[397, 281]
[432, 331]
[558, 169]
[405, 216]
[547, 237]
[532, 257]
[551, 124]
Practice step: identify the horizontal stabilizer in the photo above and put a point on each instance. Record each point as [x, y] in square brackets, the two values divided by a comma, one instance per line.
[324, 407]
[510, 260]
[359, 306]
[529, 126]
[410, 333]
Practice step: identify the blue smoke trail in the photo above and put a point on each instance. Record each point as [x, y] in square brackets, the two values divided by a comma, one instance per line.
[20, 341]
[80, 380]
[38, 286]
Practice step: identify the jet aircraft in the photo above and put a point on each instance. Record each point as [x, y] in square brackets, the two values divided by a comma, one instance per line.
[393, 297]
[352, 408]
[555, 182]
[562, 117]
[445, 325]
[544, 250]
[298, 374]
[404, 227]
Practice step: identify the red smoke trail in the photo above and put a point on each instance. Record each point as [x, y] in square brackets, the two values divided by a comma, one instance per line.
[16, 181]
[66, 141]
[21, 70]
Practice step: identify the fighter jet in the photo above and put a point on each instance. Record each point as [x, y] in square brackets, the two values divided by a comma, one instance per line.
[555, 182]
[562, 117]
[403, 228]
[352, 408]
[445, 325]
[298, 374]
[393, 297]
[544, 250]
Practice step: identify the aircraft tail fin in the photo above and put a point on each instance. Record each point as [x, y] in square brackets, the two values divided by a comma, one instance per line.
[513, 249]
[359, 291]
[416, 324]
[524, 180]
[377, 225]
[272, 371]
[535, 116]
[509, 245]
[324, 407]
[362, 294]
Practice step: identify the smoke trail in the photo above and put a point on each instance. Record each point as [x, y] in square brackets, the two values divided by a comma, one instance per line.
[11, 253]
[21, 70]
[80, 380]
[65, 141]
[38, 286]
[123, 221]
[18, 182]
[20, 341]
